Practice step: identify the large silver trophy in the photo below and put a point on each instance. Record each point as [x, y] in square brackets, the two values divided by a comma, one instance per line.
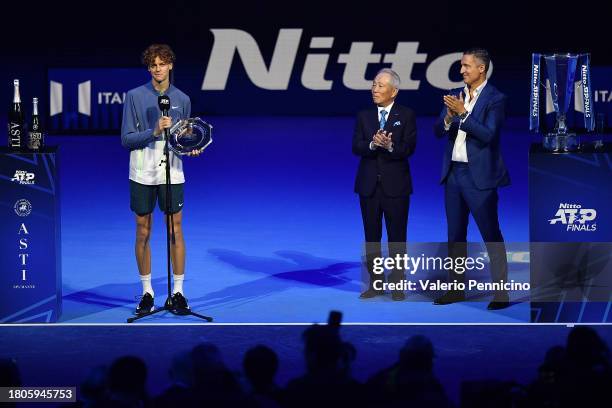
[191, 134]
[561, 70]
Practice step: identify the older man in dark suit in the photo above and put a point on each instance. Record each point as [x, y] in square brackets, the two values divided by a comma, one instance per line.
[384, 138]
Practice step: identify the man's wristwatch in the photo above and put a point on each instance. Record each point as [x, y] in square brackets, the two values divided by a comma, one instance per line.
[463, 115]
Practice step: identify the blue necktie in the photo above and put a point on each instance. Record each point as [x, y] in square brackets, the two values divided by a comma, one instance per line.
[383, 120]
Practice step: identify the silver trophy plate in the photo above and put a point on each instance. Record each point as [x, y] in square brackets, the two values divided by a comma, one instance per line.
[188, 135]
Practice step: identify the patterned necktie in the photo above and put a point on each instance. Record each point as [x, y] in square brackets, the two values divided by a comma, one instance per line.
[383, 120]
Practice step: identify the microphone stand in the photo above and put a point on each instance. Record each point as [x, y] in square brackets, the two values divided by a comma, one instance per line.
[168, 305]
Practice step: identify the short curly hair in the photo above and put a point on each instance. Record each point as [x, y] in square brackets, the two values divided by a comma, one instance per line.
[163, 51]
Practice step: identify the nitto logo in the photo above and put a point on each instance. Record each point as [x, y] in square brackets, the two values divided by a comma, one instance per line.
[276, 75]
[23, 207]
[23, 177]
[56, 105]
[575, 218]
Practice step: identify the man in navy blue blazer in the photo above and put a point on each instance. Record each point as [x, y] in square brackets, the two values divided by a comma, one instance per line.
[384, 138]
[473, 169]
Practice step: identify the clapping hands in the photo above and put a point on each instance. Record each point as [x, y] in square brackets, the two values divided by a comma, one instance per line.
[383, 139]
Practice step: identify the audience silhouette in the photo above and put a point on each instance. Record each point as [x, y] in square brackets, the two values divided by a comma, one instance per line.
[574, 375]
[410, 381]
[260, 366]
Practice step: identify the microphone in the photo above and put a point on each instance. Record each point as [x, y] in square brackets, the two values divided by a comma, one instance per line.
[163, 101]
[164, 104]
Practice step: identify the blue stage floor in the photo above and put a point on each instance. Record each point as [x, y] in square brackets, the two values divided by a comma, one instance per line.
[274, 235]
[272, 226]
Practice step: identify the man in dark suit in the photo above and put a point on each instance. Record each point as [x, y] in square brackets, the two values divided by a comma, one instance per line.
[384, 138]
[473, 169]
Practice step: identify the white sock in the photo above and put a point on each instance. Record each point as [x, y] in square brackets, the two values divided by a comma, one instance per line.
[146, 284]
[178, 283]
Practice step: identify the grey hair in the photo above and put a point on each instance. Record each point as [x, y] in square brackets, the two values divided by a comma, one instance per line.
[481, 55]
[395, 78]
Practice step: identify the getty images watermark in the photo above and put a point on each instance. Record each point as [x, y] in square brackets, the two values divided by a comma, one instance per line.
[422, 263]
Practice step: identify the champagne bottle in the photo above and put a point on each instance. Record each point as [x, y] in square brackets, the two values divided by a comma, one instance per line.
[36, 139]
[15, 123]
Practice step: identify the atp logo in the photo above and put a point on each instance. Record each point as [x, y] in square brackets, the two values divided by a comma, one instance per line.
[23, 177]
[575, 218]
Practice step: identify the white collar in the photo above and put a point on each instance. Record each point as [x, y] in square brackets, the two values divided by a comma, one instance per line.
[386, 108]
[477, 91]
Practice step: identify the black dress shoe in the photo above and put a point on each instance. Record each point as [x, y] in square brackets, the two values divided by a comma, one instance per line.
[499, 302]
[398, 295]
[370, 293]
[498, 305]
[452, 296]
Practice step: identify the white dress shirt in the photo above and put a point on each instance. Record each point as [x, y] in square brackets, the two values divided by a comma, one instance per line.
[388, 110]
[459, 149]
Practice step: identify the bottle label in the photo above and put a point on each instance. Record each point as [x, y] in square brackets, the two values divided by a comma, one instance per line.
[15, 130]
[34, 140]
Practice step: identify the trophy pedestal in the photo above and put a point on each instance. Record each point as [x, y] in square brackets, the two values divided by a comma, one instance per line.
[561, 142]
[571, 261]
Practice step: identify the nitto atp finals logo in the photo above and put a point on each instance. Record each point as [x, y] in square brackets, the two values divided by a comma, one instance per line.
[575, 218]
[23, 177]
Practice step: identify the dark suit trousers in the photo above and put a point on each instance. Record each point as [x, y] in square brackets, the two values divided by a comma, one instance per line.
[462, 197]
[395, 212]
